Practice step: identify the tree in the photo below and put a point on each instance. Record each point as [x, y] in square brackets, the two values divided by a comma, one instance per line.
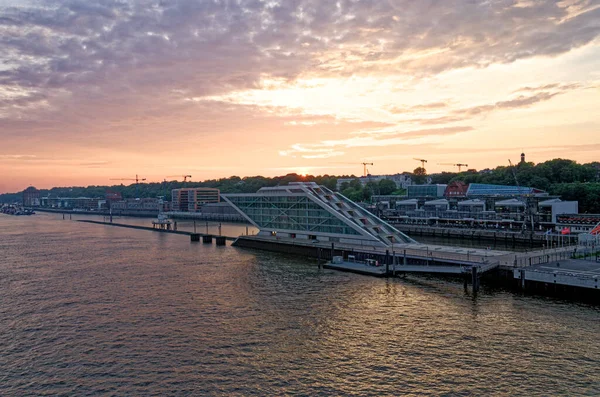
[419, 175]
[386, 186]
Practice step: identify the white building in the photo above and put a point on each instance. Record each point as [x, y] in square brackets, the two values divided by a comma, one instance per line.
[402, 181]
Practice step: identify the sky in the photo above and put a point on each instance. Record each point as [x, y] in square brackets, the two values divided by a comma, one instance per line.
[93, 90]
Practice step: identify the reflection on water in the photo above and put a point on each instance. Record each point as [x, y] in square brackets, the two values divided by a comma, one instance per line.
[89, 309]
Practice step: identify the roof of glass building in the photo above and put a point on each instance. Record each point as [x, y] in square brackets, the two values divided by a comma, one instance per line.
[310, 209]
[482, 189]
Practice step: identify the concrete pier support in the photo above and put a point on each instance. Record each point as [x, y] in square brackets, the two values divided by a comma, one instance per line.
[194, 237]
[207, 239]
[220, 240]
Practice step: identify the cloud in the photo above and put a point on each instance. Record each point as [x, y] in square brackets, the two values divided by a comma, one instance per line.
[17, 157]
[421, 107]
[85, 52]
[374, 138]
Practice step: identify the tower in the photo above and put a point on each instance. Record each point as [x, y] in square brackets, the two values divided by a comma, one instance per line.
[522, 157]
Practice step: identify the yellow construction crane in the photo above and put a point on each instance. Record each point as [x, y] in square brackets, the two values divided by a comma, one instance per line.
[365, 167]
[459, 165]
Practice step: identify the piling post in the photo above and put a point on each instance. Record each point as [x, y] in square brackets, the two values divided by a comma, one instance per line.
[70, 216]
[194, 226]
[319, 257]
[63, 216]
[387, 262]
[332, 250]
[219, 229]
[404, 257]
[475, 279]
[206, 227]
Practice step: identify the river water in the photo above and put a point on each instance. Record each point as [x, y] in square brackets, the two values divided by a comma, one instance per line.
[95, 310]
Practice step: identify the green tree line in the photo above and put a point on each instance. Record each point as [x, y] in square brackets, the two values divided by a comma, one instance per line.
[561, 177]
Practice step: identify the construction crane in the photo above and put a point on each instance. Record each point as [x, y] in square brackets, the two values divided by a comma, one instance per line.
[459, 165]
[423, 161]
[512, 168]
[365, 166]
[137, 180]
[185, 177]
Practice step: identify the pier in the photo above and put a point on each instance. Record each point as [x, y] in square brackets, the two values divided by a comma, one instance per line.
[565, 273]
[207, 238]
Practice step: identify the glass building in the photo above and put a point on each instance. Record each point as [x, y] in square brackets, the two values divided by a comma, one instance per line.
[307, 211]
[482, 189]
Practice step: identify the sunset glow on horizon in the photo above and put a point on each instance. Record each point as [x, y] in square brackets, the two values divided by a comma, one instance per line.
[95, 89]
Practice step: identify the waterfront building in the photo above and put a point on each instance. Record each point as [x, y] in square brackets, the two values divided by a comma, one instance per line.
[138, 204]
[436, 205]
[31, 197]
[192, 199]
[407, 205]
[307, 211]
[578, 223]
[492, 212]
[548, 210]
[474, 206]
[72, 203]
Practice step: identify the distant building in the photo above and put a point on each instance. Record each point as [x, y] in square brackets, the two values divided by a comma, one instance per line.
[402, 181]
[72, 203]
[31, 197]
[137, 204]
[192, 199]
[416, 191]
[483, 189]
